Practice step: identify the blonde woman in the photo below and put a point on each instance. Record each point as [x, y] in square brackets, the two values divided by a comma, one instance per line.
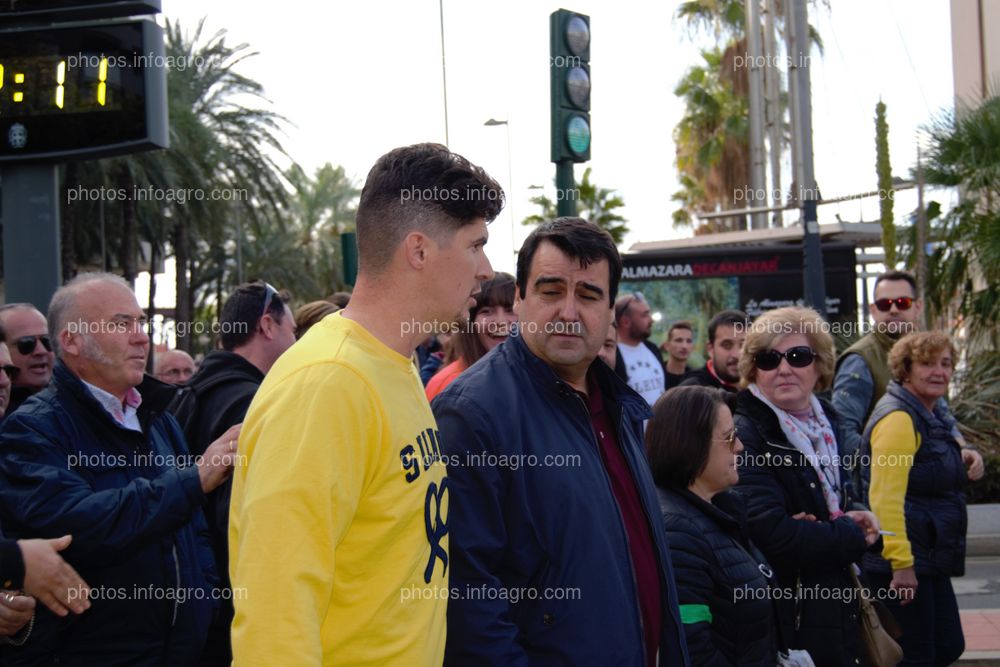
[801, 509]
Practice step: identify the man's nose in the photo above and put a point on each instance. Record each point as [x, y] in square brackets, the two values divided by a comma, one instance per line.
[485, 269]
[567, 309]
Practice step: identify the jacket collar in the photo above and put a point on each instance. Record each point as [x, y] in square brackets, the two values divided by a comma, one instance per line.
[613, 388]
[218, 361]
[904, 395]
[156, 395]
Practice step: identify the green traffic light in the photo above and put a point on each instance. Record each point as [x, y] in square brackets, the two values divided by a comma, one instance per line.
[578, 135]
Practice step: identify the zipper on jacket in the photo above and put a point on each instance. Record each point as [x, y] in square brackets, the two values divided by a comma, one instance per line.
[177, 595]
[621, 522]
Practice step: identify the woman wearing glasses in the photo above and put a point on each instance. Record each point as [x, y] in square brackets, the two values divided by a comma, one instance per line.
[918, 470]
[792, 470]
[722, 580]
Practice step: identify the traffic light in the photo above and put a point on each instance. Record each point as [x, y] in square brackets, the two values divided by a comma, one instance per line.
[569, 63]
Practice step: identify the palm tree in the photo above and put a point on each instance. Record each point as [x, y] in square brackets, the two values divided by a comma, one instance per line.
[965, 268]
[322, 208]
[598, 205]
[712, 137]
[221, 145]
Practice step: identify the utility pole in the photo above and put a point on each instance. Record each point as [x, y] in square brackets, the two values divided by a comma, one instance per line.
[921, 237]
[814, 286]
[755, 76]
[772, 110]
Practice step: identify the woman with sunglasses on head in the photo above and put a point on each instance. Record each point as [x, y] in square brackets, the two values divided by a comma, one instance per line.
[722, 579]
[792, 468]
[917, 466]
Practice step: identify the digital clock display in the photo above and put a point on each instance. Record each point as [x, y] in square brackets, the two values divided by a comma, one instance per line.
[58, 84]
[81, 90]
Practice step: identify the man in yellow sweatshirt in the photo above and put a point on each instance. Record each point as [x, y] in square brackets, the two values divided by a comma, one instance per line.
[339, 518]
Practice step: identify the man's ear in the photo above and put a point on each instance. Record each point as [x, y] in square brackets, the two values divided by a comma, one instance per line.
[416, 248]
[72, 343]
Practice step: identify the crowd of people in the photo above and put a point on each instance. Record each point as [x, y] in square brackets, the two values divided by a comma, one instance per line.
[451, 466]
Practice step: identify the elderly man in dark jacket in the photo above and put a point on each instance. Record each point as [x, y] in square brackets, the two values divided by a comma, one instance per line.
[96, 456]
[558, 555]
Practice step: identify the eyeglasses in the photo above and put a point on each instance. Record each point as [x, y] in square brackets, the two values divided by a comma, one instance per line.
[623, 306]
[269, 294]
[902, 303]
[27, 344]
[729, 439]
[797, 357]
[11, 371]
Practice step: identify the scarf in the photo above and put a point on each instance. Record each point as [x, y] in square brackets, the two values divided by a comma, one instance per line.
[814, 438]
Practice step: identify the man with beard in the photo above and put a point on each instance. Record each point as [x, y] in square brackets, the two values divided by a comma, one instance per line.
[558, 555]
[863, 369]
[639, 361]
[27, 336]
[726, 333]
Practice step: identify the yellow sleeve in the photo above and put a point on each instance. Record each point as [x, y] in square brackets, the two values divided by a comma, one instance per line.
[307, 443]
[894, 443]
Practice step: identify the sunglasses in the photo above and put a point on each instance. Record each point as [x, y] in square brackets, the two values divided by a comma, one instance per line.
[623, 306]
[269, 294]
[26, 344]
[902, 303]
[11, 371]
[797, 357]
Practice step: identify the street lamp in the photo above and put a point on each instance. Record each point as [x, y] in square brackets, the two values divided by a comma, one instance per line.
[492, 122]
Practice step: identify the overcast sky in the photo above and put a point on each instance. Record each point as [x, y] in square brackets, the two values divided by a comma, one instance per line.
[359, 78]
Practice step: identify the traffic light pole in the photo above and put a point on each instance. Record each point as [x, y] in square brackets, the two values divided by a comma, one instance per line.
[566, 191]
[31, 242]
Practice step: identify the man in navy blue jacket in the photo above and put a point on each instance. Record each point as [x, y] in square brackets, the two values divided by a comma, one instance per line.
[95, 455]
[558, 555]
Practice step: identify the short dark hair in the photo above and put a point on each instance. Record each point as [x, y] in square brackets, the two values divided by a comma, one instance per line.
[679, 434]
[727, 318]
[241, 314]
[311, 313]
[424, 187]
[680, 324]
[921, 346]
[578, 239]
[497, 291]
[11, 306]
[897, 275]
[339, 299]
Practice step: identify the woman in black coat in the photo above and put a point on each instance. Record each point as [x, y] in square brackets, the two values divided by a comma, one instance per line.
[722, 580]
[801, 506]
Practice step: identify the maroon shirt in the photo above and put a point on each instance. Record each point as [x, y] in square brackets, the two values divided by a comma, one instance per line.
[644, 562]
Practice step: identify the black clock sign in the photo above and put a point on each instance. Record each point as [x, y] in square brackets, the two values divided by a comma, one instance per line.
[82, 91]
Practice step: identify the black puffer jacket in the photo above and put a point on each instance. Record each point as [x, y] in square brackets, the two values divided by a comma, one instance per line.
[817, 608]
[722, 580]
